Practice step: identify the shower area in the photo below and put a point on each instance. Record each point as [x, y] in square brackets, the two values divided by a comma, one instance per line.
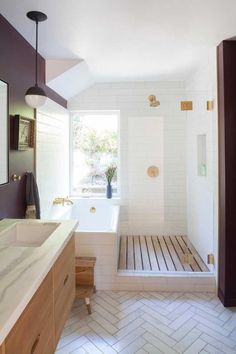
[169, 221]
[169, 206]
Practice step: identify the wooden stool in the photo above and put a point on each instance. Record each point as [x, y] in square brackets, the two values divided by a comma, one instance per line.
[84, 279]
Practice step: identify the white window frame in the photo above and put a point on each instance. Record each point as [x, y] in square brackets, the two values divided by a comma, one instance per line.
[94, 112]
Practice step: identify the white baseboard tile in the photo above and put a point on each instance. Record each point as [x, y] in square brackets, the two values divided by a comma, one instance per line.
[146, 283]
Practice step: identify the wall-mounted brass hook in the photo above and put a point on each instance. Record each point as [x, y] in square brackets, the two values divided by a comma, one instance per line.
[15, 178]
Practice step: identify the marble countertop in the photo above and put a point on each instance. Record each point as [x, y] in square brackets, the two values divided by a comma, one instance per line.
[22, 269]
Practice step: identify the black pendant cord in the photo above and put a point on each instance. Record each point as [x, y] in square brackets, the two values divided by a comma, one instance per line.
[36, 56]
[35, 95]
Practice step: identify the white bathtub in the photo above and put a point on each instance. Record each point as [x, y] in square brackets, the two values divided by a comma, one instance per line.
[97, 235]
[96, 218]
[92, 217]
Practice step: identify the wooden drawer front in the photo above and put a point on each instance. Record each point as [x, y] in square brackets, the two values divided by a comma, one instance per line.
[33, 332]
[63, 267]
[64, 285]
[1, 349]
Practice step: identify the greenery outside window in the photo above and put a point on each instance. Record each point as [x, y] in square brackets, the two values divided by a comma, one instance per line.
[94, 148]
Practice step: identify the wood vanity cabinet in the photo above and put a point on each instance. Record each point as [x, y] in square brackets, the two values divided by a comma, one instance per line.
[64, 286]
[39, 327]
[33, 333]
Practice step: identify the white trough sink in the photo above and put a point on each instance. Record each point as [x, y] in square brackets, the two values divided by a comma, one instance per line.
[27, 234]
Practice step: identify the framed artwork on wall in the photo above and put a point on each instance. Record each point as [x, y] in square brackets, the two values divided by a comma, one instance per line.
[23, 133]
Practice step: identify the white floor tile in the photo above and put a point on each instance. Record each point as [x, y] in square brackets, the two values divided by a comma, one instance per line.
[150, 322]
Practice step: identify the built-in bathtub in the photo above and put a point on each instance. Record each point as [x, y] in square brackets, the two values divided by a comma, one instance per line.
[97, 233]
[95, 218]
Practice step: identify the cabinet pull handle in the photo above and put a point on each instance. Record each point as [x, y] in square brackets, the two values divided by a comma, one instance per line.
[36, 342]
[66, 279]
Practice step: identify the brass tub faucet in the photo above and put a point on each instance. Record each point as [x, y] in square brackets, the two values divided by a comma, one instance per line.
[62, 201]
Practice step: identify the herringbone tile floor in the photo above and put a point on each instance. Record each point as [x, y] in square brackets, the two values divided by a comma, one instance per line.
[150, 322]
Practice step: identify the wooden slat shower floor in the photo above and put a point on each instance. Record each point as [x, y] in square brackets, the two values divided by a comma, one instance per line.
[159, 254]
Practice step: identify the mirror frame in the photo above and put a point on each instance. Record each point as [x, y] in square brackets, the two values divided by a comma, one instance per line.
[8, 136]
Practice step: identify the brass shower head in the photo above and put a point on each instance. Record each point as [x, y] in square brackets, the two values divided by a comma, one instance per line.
[153, 101]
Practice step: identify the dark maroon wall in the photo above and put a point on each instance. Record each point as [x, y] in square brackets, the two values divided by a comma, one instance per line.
[227, 171]
[17, 68]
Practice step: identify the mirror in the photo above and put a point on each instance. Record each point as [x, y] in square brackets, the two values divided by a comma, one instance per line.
[4, 149]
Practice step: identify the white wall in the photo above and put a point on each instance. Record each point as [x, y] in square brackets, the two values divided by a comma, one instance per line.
[145, 194]
[52, 160]
[140, 205]
[202, 191]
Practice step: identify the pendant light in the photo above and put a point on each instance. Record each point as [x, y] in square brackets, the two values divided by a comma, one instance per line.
[35, 96]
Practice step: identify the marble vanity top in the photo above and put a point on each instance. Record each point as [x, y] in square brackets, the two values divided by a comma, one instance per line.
[22, 270]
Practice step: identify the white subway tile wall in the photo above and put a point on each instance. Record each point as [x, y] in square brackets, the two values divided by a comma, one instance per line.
[141, 210]
[52, 160]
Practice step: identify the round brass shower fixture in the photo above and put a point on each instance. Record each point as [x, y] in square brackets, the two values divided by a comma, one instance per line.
[153, 101]
[153, 171]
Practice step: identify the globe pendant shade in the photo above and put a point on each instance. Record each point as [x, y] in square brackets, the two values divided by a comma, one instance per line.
[35, 97]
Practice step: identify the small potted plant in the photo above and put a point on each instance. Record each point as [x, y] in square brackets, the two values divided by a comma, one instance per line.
[110, 173]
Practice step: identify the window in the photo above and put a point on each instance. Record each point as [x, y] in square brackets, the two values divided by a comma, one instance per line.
[94, 148]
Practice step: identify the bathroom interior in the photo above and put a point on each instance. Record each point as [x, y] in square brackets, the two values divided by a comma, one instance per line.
[163, 125]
